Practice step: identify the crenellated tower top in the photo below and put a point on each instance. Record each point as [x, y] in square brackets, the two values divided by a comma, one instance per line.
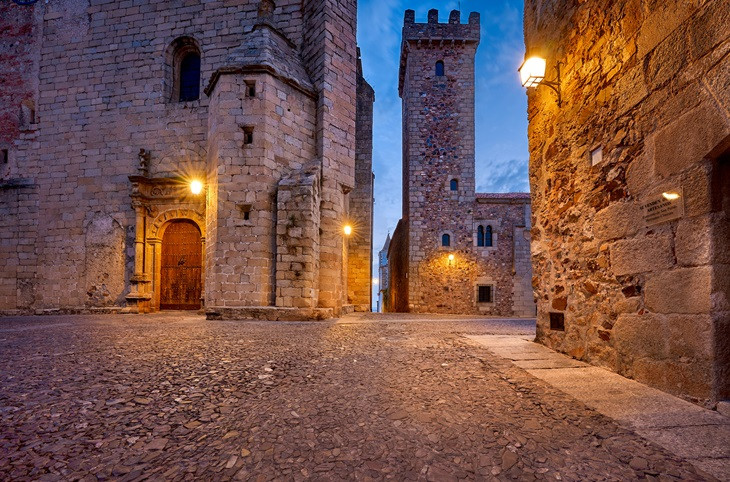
[432, 32]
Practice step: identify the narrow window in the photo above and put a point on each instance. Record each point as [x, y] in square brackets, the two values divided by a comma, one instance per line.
[247, 135]
[250, 88]
[5, 156]
[480, 236]
[440, 68]
[190, 77]
[445, 240]
[557, 321]
[484, 294]
[488, 236]
[454, 185]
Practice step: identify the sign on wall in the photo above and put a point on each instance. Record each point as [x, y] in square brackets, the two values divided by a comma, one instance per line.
[663, 208]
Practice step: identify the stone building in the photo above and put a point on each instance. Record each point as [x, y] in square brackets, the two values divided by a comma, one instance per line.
[110, 110]
[454, 250]
[630, 179]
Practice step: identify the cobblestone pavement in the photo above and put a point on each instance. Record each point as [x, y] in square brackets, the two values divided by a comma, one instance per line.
[175, 397]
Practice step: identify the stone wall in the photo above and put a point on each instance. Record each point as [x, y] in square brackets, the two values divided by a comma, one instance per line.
[360, 245]
[646, 84]
[330, 54]
[18, 256]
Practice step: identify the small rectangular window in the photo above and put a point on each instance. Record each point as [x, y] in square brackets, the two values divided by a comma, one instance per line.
[5, 156]
[245, 211]
[596, 156]
[248, 135]
[250, 88]
[484, 294]
[557, 321]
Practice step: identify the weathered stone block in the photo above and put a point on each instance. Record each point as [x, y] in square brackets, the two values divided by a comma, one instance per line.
[641, 255]
[693, 241]
[617, 220]
[683, 290]
[638, 336]
[688, 139]
[689, 336]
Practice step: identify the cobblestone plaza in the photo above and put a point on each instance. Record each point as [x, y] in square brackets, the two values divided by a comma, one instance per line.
[403, 397]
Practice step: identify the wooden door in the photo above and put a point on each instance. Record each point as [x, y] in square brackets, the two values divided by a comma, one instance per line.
[182, 267]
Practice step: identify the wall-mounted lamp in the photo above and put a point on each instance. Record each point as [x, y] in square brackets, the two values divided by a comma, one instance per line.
[451, 259]
[196, 187]
[347, 229]
[532, 74]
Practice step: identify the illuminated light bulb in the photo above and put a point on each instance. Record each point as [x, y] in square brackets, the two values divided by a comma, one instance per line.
[196, 187]
[451, 257]
[532, 72]
[347, 229]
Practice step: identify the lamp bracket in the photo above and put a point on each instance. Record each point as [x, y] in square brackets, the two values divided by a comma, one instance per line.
[555, 84]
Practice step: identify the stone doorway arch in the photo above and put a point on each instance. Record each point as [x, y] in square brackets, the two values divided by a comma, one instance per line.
[156, 235]
[159, 202]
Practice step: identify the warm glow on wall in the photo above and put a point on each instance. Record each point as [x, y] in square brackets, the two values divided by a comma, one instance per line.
[670, 196]
[196, 187]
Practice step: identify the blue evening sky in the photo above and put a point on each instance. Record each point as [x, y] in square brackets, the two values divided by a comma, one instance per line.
[501, 103]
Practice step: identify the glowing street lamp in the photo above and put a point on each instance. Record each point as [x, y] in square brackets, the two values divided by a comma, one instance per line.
[532, 74]
[196, 187]
[347, 229]
[451, 259]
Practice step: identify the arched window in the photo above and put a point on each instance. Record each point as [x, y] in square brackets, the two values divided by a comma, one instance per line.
[445, 240]
[488, 236]
[182, 70]
[190, 77]
[454, 184]
[440, 68]
[480, 236]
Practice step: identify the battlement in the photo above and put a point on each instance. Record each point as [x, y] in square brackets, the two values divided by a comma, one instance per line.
[433, 30]
[433, 34]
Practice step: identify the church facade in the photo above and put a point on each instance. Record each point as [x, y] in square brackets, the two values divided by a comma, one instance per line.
[454, 250]
[185, 155]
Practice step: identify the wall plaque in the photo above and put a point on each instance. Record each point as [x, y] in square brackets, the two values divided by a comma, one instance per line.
[665, 207]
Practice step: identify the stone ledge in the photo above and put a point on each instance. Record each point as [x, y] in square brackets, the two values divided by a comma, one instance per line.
[106, 310]
[268, 313]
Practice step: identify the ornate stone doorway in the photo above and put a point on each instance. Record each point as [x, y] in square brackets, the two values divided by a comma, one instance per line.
[181, 266]
[169, 246]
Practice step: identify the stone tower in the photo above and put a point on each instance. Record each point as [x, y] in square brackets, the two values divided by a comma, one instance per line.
[436, 85]
[454, 250]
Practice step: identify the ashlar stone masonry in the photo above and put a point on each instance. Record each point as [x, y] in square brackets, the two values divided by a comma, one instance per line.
[109, 111]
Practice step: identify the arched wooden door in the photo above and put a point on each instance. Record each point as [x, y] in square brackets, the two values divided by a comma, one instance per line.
[181, 267]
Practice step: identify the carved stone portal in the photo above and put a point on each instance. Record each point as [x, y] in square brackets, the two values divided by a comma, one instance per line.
[157, 203]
